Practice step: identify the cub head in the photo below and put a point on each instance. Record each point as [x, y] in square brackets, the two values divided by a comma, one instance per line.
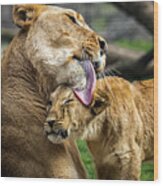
[61, 45]
[67, 117]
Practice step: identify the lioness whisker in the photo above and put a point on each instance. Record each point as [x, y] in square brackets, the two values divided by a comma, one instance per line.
[117, 71]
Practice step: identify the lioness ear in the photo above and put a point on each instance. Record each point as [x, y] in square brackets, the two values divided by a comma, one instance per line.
[25, 15]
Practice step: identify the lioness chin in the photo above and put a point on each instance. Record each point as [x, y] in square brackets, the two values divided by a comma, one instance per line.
[118, 125]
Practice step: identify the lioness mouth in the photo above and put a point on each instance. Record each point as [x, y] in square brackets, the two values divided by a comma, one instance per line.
[85, 96]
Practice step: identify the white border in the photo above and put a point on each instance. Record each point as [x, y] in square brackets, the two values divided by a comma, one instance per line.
[61, 1]
[52, 182]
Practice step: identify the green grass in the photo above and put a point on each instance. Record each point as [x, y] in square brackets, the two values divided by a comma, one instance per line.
[87, 159]
[147, 173]
[137, 45]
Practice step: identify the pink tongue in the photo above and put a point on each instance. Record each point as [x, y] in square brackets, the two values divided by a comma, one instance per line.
[86, 95]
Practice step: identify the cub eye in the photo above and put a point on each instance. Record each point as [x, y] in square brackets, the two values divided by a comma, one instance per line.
[66, 102]
[98, 107]
[72, 19]
[98, 103]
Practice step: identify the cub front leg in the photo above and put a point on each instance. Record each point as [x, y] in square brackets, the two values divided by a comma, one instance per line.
[125, 166]
[118, 164]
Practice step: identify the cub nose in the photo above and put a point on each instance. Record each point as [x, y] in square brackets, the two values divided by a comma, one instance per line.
[51, 123]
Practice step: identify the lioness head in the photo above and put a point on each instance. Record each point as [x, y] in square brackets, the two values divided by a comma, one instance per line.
[67, 117]
[60, 44]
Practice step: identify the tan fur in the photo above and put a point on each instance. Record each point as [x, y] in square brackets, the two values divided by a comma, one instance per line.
[118, 125]
[39, 58]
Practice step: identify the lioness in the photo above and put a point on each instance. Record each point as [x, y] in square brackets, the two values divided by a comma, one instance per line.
[118, 125]
[54, 46]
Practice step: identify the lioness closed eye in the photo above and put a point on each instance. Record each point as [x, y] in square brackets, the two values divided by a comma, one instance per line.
[118, 125]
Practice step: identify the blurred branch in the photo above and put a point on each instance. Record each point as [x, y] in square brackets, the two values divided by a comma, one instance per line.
[142, 11]
[127, 64]
[142, 68]
[122, 55]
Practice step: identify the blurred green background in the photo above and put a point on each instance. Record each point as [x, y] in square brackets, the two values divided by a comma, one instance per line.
[119, 29]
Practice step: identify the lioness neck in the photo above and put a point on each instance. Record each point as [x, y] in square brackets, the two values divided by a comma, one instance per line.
[19, 72]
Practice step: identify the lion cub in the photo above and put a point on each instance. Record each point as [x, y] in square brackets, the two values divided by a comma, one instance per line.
[118, 125]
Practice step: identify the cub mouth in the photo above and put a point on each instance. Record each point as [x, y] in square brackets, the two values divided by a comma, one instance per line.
[85, 95]
[56, 136]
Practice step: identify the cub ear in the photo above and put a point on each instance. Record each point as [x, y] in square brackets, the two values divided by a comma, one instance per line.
[25, 15]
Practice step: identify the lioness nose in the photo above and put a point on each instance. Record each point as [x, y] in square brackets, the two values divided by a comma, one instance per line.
[97, 64]
[51, 123]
